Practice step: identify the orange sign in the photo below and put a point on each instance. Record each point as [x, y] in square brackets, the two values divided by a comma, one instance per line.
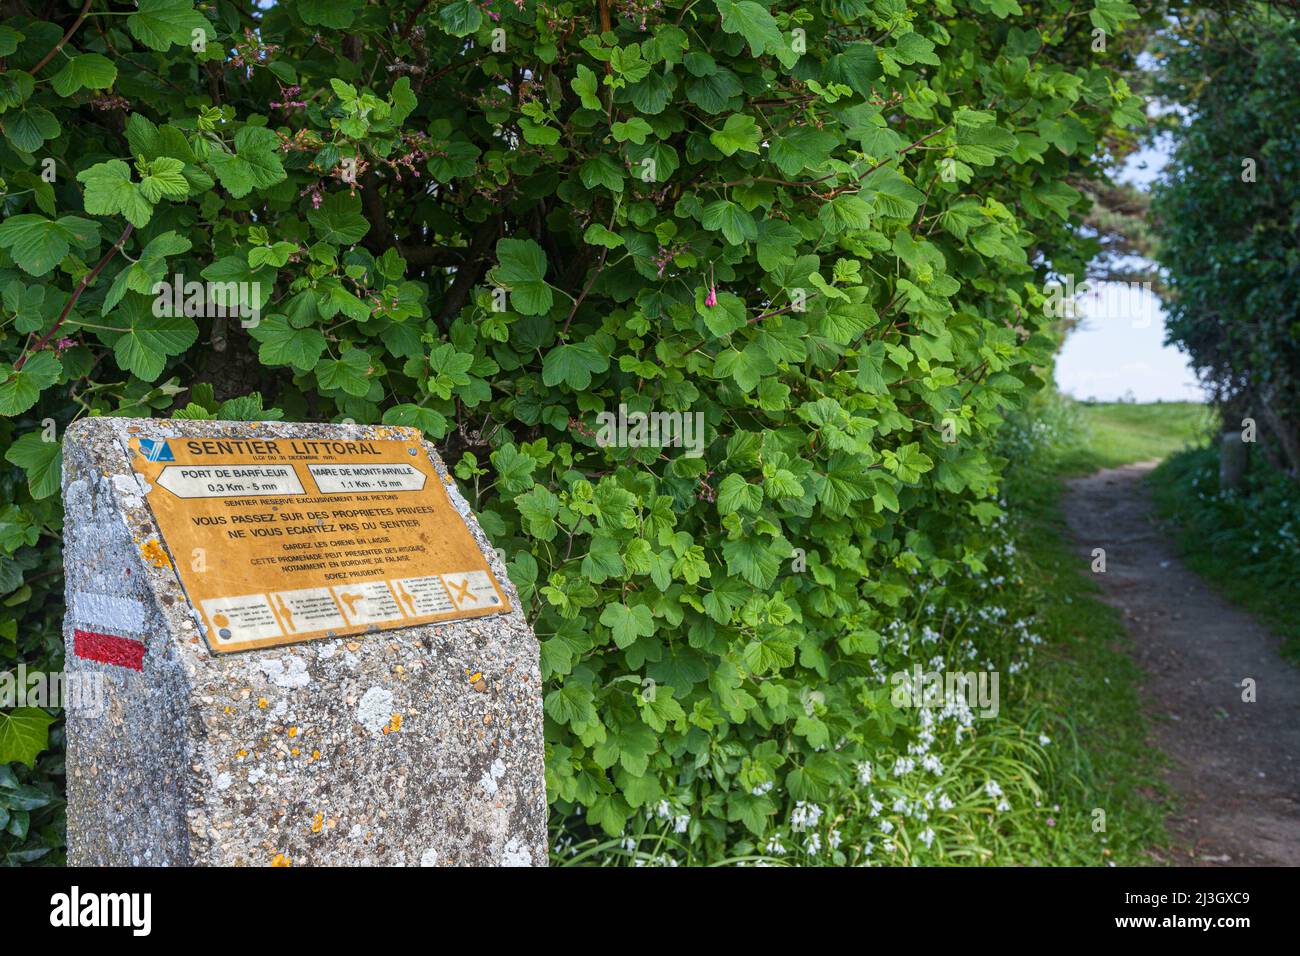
[283, 540]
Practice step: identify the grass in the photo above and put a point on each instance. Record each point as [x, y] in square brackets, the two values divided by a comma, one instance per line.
[1087, 679]
[1111, 434]
[1245, 544]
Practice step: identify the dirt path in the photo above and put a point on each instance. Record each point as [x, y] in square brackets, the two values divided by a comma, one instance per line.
[1236, 765]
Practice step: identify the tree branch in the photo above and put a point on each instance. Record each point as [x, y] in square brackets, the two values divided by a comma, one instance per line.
[85, 11]
[76, 293]
[467, 274]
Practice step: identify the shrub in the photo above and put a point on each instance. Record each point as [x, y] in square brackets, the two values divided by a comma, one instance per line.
[824, 228]
[1227, 214]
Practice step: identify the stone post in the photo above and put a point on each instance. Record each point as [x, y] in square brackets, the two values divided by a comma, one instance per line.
[308, 653]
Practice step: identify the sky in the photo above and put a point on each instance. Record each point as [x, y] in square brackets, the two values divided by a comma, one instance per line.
[1118, 351]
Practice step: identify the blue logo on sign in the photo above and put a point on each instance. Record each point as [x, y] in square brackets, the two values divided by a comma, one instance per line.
[156, 450]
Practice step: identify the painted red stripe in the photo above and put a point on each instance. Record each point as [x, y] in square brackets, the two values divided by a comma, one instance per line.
[109, 649]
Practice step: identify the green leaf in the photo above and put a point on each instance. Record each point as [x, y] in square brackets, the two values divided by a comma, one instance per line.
[628, 63]
[24, 733]
[634, 130]
[893, 196]
[27, 305]
[164, 179]
[739, 133]
[803, 147]
[585, 85]
[598, 235]
[573, 365]
[522, 269]
[603, 561]
[753, 22]
[145, 345]
[651, 95]
[737, 494]
[150, 142]
[460, 18]
[247, 408]
[914, 48]
[255, 164]
[570, 704]
[725, 317]
[871, 365]
[982, 145]
[628, 623]
[338, 220]
[538, 134]
[908, 462]
[600, 170]
[845, 214]
[42, 461]
[30, 127]
[736, 225]
[282, 344]
[754, 561]
[1107, 15]
[274, 255]
[91, 71]
[514, 469]
[747, 367]
[1004, 8]
[538, 508]
[454, 160]
[38, 244]
[16, 86]
[20, 390]
[351, 373]
[160, 23]
[110, 191]
[432, 423]
[1057, 196]
[447, 368]
[9, 40]
[768, 654]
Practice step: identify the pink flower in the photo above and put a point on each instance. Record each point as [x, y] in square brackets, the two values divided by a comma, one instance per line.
[712, 298]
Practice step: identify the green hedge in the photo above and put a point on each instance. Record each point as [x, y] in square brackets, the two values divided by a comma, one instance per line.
[824, 227]
[1227, 211]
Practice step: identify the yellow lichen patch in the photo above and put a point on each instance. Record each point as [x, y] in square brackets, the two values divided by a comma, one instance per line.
[315, 755]
[476, 677]
[280, 860]
[294, 751]
[293, 731]
[241, 753]
[318, 823]
[394, 724]
[261, 702]
[153, 552]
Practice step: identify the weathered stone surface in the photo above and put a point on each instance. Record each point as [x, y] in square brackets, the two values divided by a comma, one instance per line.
[370, 749]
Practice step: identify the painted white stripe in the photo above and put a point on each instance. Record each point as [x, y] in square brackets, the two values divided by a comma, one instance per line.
[107, 611]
